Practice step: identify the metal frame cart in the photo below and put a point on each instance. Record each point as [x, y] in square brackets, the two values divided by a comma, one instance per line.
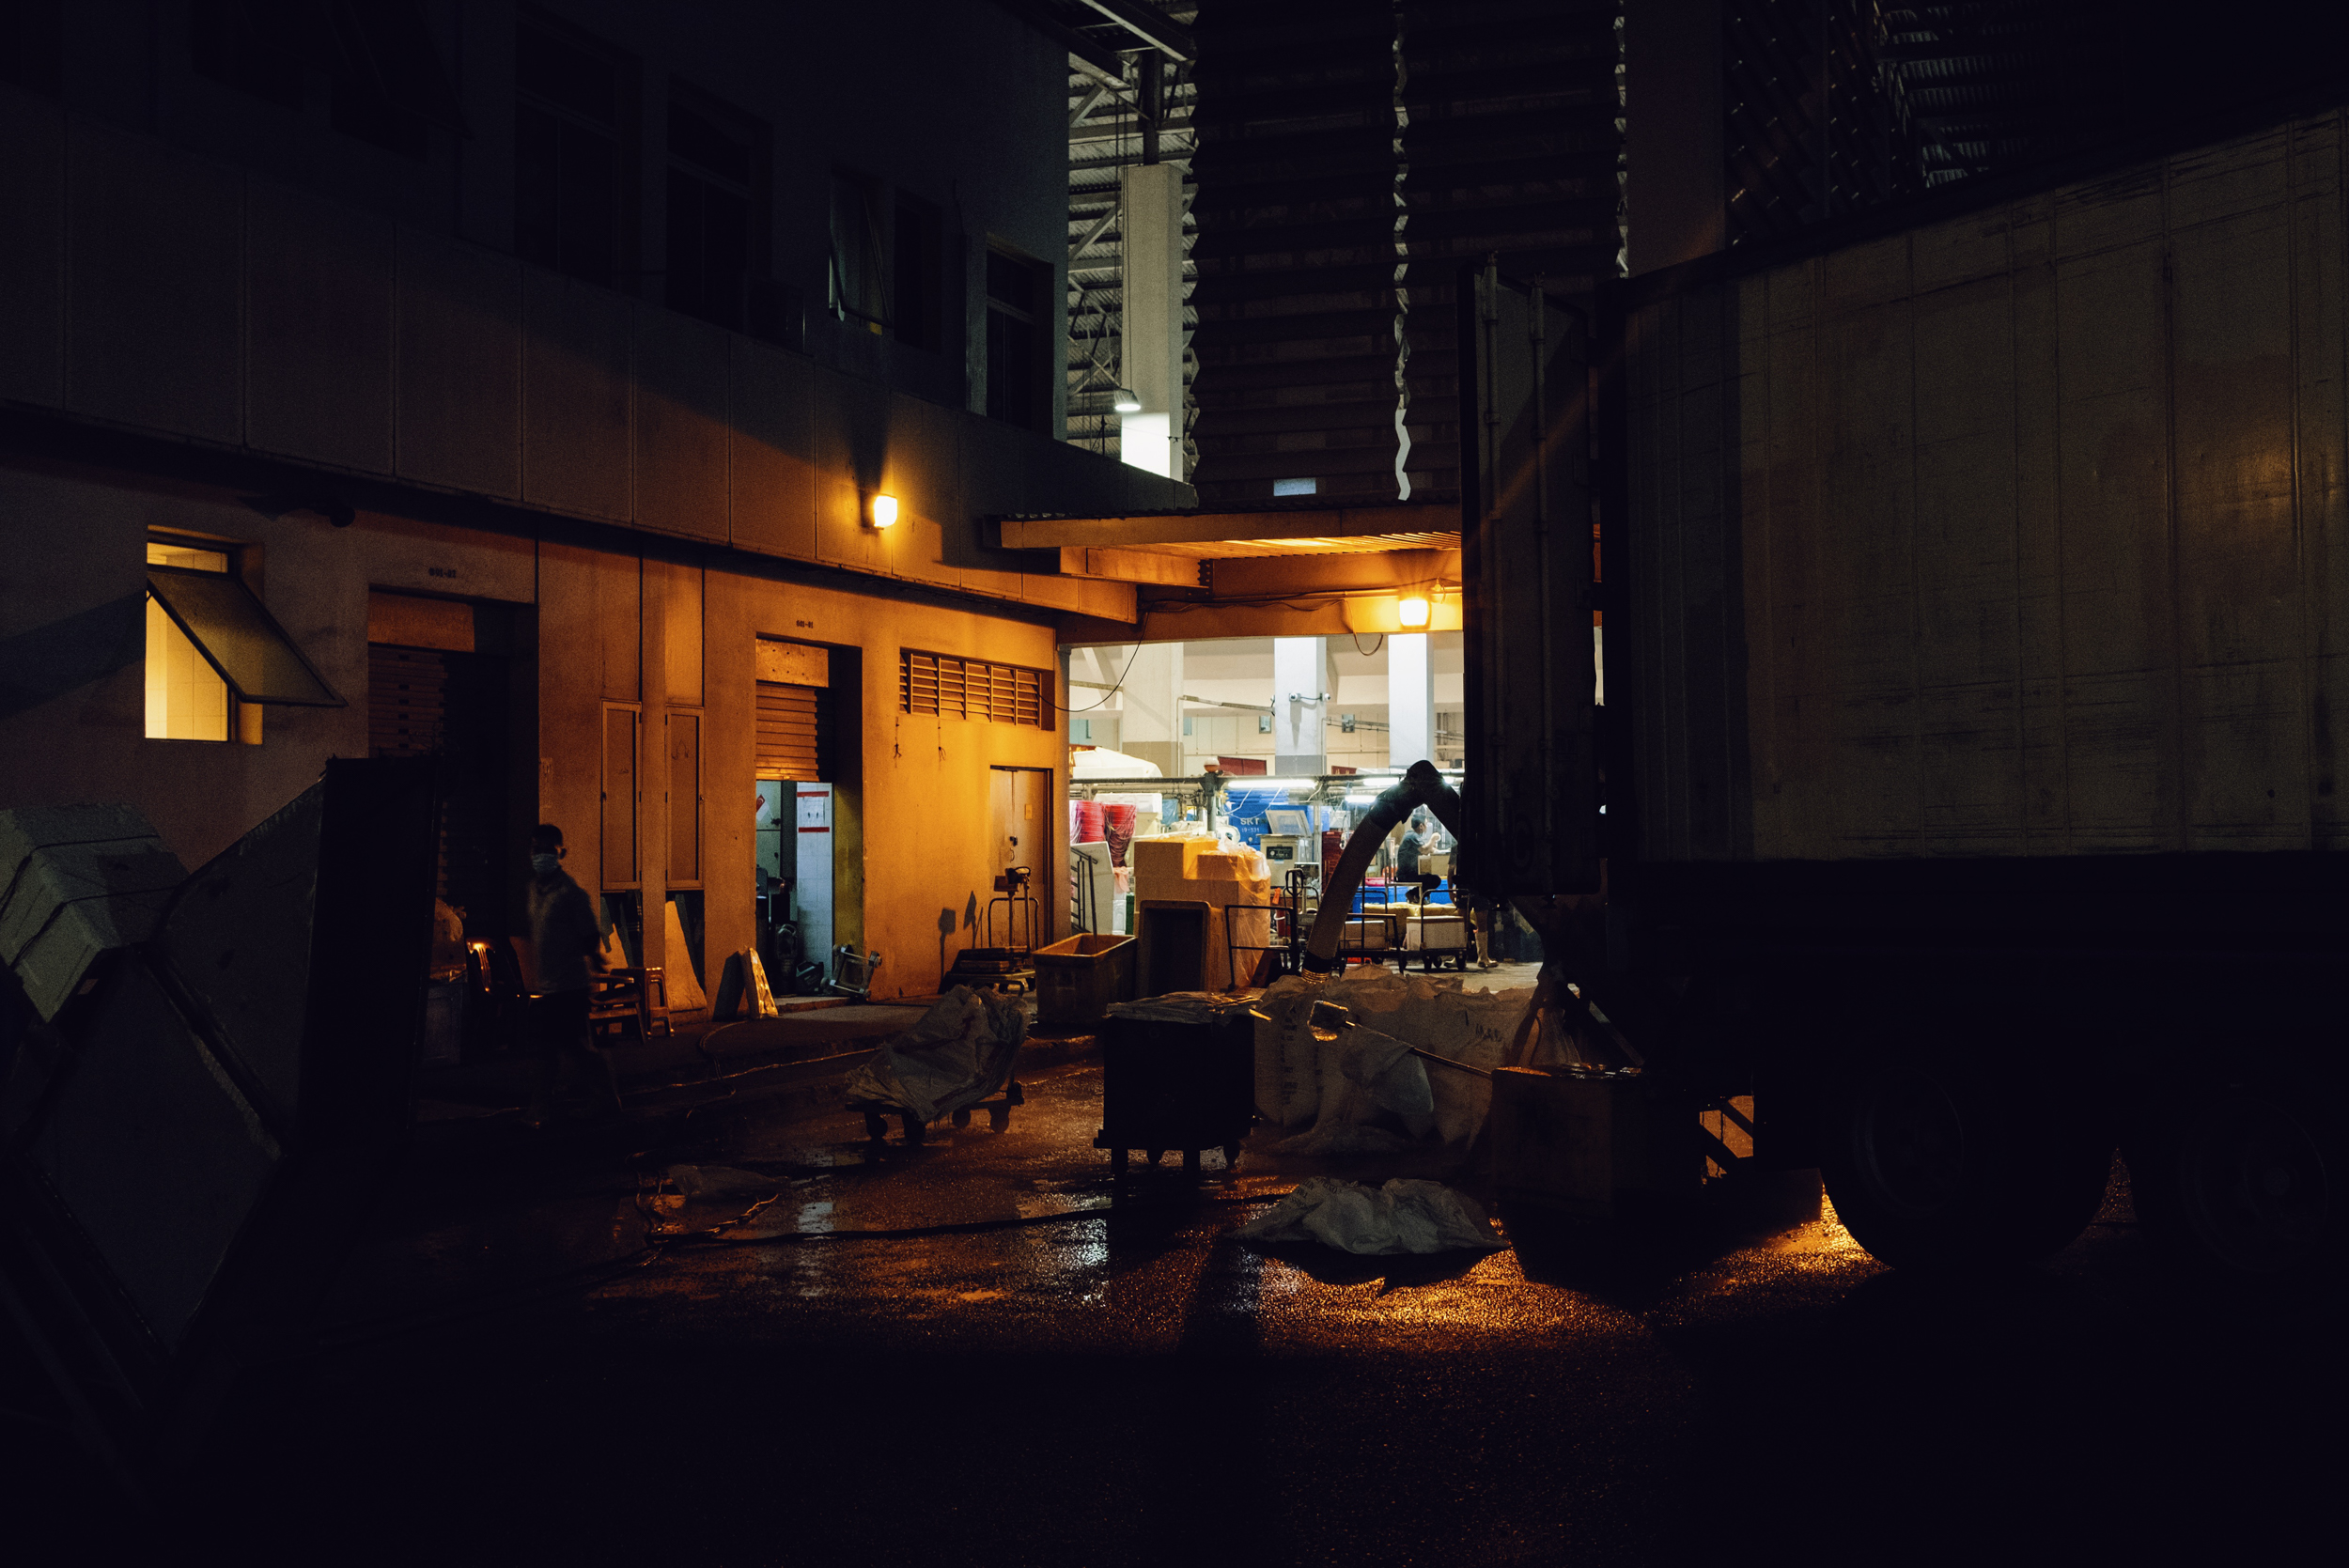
[1291, 923]
[1010, 967]
[998, 1108]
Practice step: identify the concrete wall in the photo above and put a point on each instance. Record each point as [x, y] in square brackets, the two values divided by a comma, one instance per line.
[963, 105]
[210, 300]
[152, 290]
[72, 681]
[668, 627]
[2017, 534]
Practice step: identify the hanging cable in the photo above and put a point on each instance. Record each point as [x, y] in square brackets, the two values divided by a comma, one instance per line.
[1112, 690]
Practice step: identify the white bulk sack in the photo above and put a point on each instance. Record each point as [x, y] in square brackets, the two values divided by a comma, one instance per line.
[1289, 1056]
[1471, 1027]
[1305, 1081]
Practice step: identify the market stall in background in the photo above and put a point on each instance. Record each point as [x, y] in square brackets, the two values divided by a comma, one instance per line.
[1255, 840]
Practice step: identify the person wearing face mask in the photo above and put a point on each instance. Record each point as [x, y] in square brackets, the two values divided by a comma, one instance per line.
[1406, 862]
[570, 946]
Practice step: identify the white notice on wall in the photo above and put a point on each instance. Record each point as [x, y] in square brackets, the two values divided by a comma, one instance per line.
[814, 809]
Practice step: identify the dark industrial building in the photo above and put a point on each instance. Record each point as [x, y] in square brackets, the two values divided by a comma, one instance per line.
[1077, 543]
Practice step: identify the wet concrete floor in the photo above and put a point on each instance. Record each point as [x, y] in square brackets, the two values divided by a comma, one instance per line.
[768, 1342]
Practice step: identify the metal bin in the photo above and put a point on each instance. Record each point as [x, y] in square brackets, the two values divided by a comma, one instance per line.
[1077, 978]
[1177, 1085]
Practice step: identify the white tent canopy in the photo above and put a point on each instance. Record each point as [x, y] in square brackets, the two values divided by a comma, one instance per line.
[1100, 762]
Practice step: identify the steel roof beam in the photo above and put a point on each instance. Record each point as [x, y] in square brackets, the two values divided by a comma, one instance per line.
[1149, 25]
[1090, 58]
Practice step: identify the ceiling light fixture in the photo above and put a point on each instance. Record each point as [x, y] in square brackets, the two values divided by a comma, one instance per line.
[1414, 612]
[1123, 401]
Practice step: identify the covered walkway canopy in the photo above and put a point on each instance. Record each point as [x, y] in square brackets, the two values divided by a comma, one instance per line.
[1283, 572]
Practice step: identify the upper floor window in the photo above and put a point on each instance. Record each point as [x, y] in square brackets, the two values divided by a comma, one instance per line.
[921, 279]
[253, 46]
[574, 140]
[385, 81]
[215, 655]
[1018, 314]
[717, 209]
[30, 47]
[857, 294]
[388, 84]
[186, 698]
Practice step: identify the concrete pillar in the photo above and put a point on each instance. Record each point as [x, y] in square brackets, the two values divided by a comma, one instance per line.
[1410, 700]
[1151, 360]
[1674, 204]
[1151, 723]
[652, 756]
[1301, 690]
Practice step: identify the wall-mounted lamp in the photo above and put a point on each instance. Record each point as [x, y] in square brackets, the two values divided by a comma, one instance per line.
[1414, 612]
[880, 510]
[1123, 401]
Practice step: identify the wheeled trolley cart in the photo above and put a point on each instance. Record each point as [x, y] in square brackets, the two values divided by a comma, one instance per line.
[1175, 1082]
[1009, 964]
[994, 969]
[960, 1057]
[998, 1115]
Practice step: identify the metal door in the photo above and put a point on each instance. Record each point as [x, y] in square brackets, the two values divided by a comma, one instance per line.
[1020, 821]
[813, 891]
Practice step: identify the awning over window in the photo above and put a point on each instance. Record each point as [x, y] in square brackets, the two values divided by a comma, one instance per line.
[238, 639]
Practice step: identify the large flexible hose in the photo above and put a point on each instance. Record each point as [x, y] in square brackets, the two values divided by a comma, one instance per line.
[1421, 786]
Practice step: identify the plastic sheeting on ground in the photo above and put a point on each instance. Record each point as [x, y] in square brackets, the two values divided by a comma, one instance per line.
[962, 1051]
[1400, 1217]
[709, 1200]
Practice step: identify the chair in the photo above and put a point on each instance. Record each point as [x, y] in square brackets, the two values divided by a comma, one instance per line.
[852, 972]
[623, 995]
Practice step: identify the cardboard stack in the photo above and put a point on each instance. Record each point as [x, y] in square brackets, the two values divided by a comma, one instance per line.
[1196, 869]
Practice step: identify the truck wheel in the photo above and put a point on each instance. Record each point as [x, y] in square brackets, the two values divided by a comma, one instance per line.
[1934, 1167]
[2243, 1183]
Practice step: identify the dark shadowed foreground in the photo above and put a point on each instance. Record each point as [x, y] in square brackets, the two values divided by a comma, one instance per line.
[962, 1353]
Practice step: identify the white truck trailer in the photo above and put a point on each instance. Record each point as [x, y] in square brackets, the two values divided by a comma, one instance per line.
[1976, 602]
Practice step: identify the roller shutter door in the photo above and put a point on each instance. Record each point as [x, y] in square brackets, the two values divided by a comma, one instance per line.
[794, 732]
[407, 701]
[423, 701]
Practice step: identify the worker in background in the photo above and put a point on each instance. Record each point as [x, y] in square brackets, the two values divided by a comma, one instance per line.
[1407, 874]
[1480, 917]
[570, 945]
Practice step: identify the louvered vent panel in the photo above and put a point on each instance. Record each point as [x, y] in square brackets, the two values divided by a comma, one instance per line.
[967, 689]
[917, 683]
